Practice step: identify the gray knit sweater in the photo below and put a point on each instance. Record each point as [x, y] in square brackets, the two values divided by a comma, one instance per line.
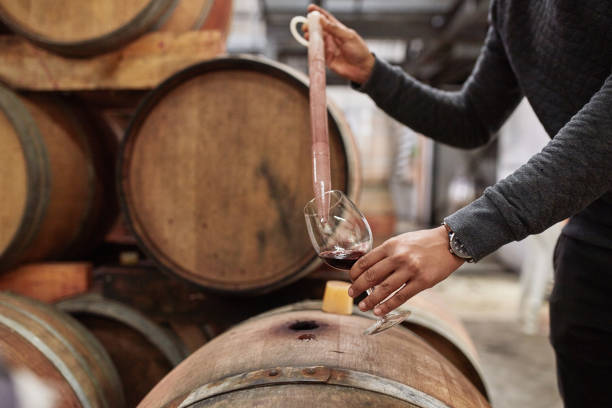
[558, 54]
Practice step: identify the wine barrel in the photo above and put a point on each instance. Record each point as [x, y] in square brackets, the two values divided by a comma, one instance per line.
[56, 173]
[302, 358]
[142, 352]
[215, 170]
[81, 28]
[431, 320]
[85, 28]
[60, 351]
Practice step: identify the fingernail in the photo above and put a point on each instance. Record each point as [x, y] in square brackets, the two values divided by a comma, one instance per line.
[362, 305]
[377, 311]
[351, 292]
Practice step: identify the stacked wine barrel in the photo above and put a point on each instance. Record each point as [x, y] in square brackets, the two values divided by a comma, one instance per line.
[56, 172]
[59, 350]
[84, 28]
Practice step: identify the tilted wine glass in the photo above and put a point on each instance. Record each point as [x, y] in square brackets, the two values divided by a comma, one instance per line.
[340, 238]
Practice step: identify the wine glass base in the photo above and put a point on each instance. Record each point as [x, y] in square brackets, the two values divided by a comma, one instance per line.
[387, 321]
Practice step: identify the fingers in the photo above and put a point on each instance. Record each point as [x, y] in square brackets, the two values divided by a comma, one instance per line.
[372, 276]
[412, 288]
[366, 261]
[326, 14]
[332, 24]
[393, 282]
[337, 29]
[331, 49]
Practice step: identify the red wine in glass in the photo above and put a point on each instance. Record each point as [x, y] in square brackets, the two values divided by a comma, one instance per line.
[341, 258]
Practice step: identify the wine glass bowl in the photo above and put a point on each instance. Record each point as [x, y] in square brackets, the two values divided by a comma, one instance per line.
[342, 236]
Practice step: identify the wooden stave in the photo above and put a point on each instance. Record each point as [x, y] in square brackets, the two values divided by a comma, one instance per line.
[140, 24]
[65, 346]
[442, 385]
[96, 209]
[38, 170]
[352, 170]
[119, 314]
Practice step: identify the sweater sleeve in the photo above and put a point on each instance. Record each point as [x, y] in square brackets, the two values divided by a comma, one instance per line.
[573, 170]
[465, 118]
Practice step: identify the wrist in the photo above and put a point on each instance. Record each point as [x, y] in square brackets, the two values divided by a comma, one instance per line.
[366, 70]
[456, 246]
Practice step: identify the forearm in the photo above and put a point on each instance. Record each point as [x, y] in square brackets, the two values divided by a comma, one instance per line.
[466, 118]
[447, 117]
[572, 171]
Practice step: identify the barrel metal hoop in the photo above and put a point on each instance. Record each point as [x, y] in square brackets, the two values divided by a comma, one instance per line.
[99, 306]
[313, 374]
[84, 365]
[51, 356]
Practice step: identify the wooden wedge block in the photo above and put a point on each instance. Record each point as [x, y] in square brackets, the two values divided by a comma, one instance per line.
[48, 282]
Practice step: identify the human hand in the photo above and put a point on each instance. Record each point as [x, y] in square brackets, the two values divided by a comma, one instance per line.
[346, 53]
[418, 259]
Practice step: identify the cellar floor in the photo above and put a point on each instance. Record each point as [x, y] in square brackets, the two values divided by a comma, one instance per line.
[519, 368]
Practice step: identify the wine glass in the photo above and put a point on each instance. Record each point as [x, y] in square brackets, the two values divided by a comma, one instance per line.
[341, 237]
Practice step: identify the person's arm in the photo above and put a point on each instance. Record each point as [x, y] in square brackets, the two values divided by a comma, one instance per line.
[573, 170]
[465, 118]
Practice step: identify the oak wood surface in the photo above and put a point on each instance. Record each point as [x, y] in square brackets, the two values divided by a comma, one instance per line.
[72, 20]
[13, 181]
[48, 282]
[187, 15]
[65, 191]
[63, 345]
[142, 64]
[220, 18]
[82, 28]
[308, 338]
[142, 352]
[216, 170]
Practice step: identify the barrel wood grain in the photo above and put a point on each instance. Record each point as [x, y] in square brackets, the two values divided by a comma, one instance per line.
[86, 376]
[65, 193]
[335, 345]
[186, 15]
[142, 352]
[82, 28]
[48, 282]
[142, 64]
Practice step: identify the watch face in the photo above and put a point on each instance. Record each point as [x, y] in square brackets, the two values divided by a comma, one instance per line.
[458, 247]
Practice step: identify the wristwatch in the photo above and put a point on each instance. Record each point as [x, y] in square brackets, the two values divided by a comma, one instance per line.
[455, 246]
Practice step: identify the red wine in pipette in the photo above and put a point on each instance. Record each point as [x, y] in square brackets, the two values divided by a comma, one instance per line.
[341, 258]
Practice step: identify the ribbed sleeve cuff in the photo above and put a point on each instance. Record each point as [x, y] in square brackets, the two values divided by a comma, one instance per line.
[480, 227]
